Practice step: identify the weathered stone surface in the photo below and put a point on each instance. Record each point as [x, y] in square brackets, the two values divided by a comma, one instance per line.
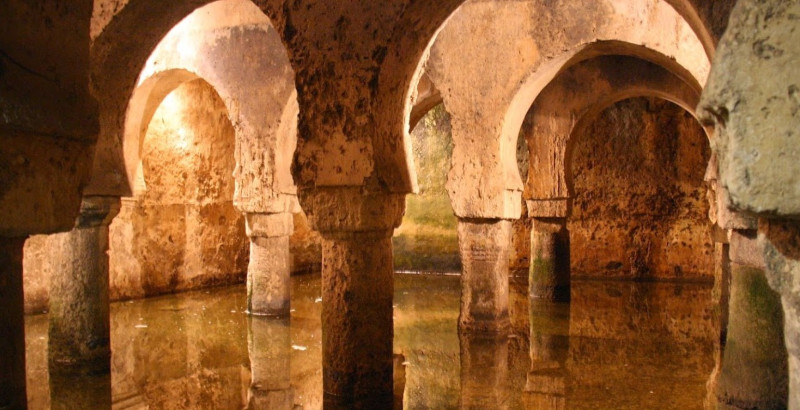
[754, 370]
[720, 211]
[49, 121]
[639, 209]
[752, 96]
[484, 247]
[488, 101]
[305, 246]
[781, 243]
[549, 272]
[183, 231]
[751, 99]
[79, 321]
[37, 269]
[357, 290]
[268, 268]
[745, 249]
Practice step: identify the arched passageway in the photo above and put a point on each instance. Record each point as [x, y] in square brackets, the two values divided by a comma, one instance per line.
[356, 66]
[639, 208]
[180, 230]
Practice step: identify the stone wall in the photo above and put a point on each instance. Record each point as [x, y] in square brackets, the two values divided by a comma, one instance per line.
[639, 207]
[182, 232]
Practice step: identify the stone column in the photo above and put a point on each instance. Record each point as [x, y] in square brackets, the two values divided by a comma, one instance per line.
[546, 382]
[754, 372]
[357, 291]
[268, 286]
[79, 322]
[781, 243]
[484, 247]
[484, 371]
[269, 346]
[549, 270]
[12, 326]
[720, 298]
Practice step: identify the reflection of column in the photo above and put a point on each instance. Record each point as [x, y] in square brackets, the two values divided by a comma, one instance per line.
[545, 386]
[268, 271]
[549, 267]
[69, 392]
[781, 243]
[357, 291]
[269, 347]
[754, 365]
[12, 325]
[720, 300]
[484, 246]
[484, 371]
[79, 328]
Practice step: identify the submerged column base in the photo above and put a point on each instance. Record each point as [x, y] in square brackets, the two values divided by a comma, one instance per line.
[484, 246]
[549, 269]
[754, 367]
[268, 285]
[781, 245]
[79, 315]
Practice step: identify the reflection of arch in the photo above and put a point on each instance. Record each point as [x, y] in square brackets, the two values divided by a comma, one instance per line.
[586, 88]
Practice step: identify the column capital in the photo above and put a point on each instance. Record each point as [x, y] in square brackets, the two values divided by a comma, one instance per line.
[337, 210]
[267, 225]
[97, 210]
[548, 207]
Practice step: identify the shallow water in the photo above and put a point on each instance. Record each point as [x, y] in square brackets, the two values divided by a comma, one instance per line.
[617, 345]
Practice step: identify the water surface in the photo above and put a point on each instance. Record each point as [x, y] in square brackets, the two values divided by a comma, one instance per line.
[617, 345]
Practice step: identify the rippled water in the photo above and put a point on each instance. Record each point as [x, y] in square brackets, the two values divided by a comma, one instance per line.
[617, 345]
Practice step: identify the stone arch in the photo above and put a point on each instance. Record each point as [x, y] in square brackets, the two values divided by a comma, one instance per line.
[489, 101]
[403, 67]
[638, 207]
[582, 90]
[144, 102]
[183, 230]
[256, 108]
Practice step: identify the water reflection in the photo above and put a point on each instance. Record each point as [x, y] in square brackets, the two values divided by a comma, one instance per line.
[269, 345]
[545, 383]
[617, 345]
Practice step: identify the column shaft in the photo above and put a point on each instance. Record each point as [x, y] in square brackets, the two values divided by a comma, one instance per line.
[549, 268]
[754, 368]
[12, 325]
[781, 245]
[357, 325]
[268, 284]
[484, 246]
[720, 299]
[79, 322]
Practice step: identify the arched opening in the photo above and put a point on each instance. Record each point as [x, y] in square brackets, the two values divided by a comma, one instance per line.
[180, 230]
[639, 208]
[427, 240]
